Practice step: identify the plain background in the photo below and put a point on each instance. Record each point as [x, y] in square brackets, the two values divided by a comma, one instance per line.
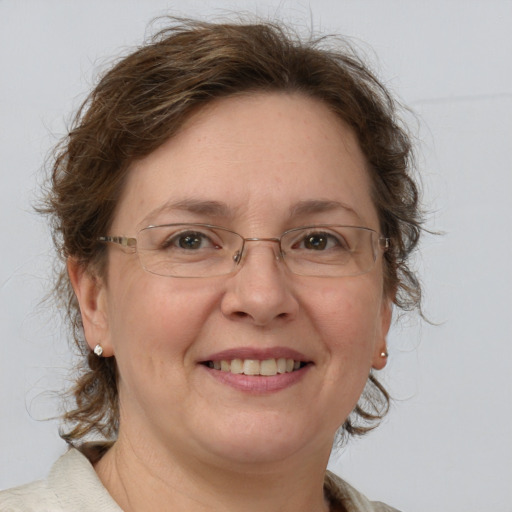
[447, 443]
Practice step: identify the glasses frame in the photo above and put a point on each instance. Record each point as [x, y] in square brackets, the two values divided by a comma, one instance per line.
[131, 243]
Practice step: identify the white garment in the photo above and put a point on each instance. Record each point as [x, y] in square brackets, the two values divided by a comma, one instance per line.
[73, 486]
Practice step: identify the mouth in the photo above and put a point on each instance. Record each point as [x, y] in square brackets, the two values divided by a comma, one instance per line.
[256, 367]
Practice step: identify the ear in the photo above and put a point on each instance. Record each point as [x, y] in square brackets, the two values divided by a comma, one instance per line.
[91, 293]
[386, 313]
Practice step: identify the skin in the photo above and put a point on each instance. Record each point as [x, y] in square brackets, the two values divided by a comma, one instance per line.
[188, 441]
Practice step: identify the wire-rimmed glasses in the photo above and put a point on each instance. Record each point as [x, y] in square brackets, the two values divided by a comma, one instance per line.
[205, 250]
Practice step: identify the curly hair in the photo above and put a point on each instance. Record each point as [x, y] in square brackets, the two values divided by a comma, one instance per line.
[145, 98]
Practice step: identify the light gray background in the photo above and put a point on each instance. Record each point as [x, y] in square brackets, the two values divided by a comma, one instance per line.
[447, 443]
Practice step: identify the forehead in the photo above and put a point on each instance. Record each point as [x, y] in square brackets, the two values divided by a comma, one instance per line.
[257, 156]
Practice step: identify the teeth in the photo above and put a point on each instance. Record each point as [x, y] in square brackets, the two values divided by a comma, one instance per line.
[236, 366]
[251, 367]
[268, 367]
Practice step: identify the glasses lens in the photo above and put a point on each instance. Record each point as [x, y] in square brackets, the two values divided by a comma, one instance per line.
[329, 251]
[188, 250]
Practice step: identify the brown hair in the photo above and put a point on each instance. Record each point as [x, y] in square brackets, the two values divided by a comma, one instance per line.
[145, 99]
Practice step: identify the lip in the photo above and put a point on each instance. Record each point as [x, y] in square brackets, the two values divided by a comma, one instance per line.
[257, 353]
[257, 384]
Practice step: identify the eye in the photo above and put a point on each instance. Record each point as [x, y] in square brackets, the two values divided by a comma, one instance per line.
[320, 241]
[192, 241]
[317, 241]
[189, 241]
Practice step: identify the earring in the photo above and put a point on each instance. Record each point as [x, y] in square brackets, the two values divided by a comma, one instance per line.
[384, 354]
[98, 350]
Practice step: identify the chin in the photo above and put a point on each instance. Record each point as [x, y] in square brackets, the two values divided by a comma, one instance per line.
[265, 442]
[256, 453]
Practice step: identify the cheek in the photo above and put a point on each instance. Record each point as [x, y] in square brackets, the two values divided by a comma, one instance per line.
[155, 319]
[348, 315]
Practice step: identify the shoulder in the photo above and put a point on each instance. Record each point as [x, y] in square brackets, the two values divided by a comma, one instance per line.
[28, 498]
[71, 486]
[345, 498]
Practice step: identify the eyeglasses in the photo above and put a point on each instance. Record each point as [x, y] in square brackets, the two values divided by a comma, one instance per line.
[203, 250]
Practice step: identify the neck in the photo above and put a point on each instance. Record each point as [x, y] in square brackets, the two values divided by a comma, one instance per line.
[141, 479]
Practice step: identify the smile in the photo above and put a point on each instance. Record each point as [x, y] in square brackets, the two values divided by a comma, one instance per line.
[267, 367]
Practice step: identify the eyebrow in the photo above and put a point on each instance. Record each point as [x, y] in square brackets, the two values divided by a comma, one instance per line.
[318, 206]
[219, 209]
[197, 206]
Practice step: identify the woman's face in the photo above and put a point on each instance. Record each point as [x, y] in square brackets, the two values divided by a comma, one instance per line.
[259, 165]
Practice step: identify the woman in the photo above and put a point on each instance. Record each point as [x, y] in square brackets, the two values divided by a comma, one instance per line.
[235, 210]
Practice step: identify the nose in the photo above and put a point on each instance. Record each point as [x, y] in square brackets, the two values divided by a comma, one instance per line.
[260, 292]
